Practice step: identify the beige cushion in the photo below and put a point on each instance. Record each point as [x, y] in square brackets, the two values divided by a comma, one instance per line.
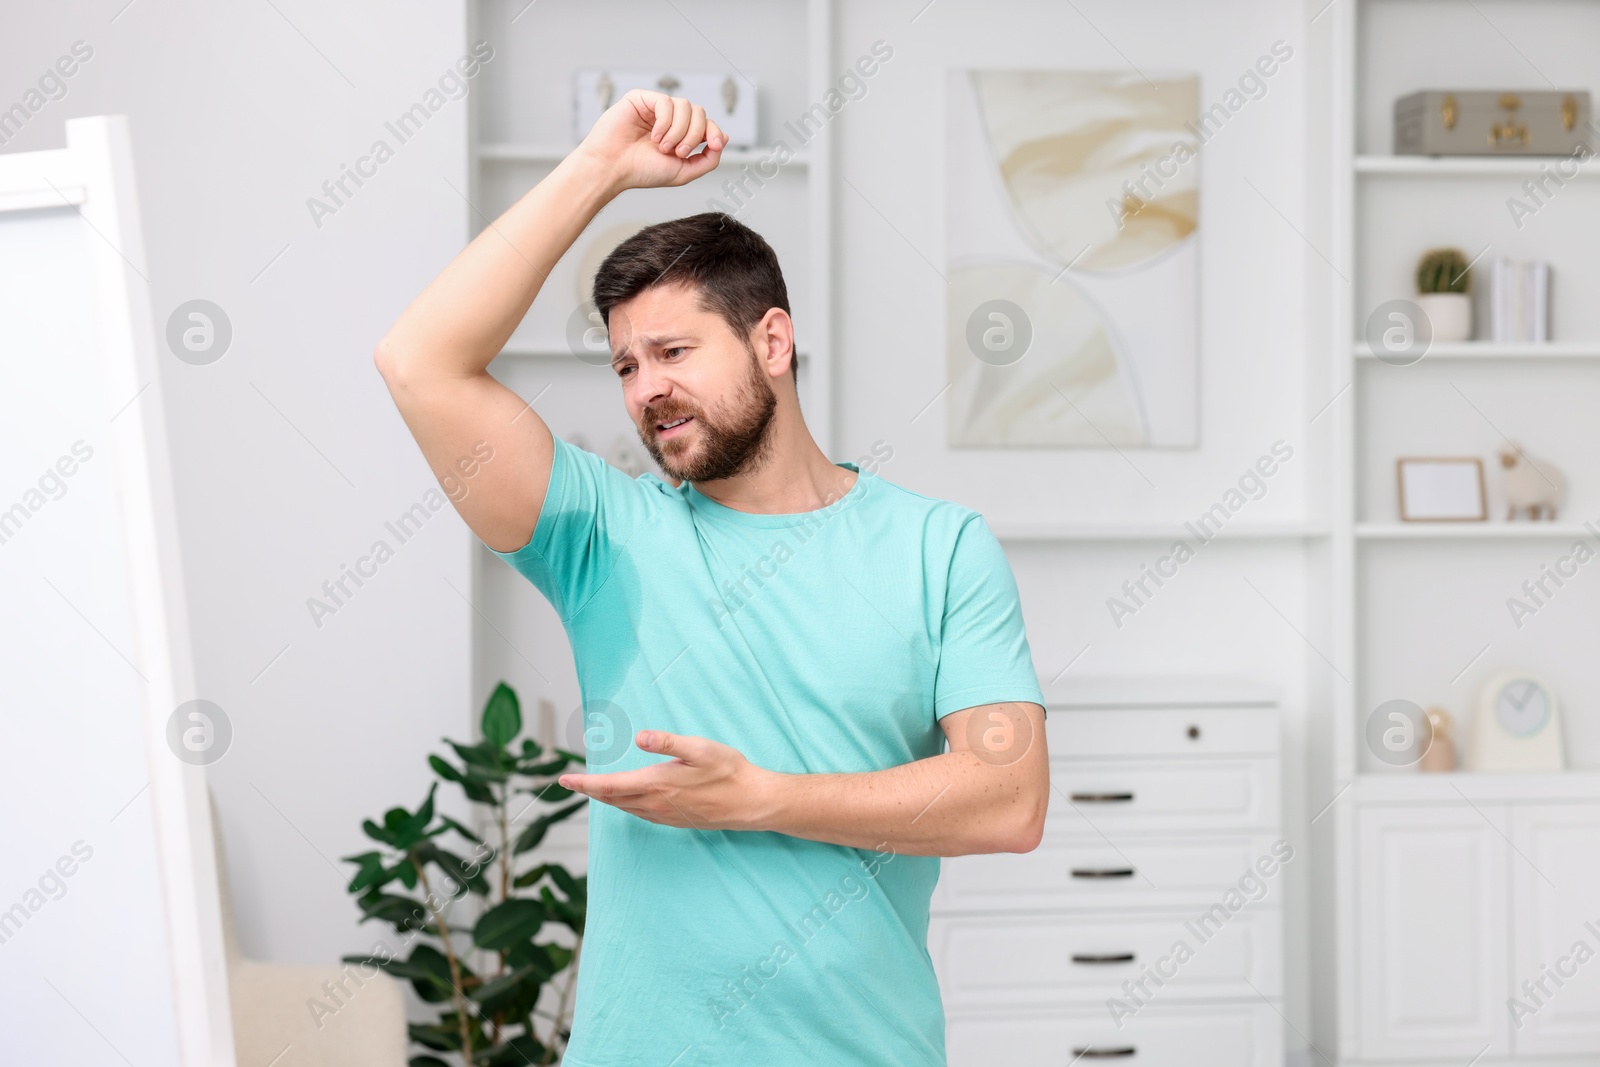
[288, 1015]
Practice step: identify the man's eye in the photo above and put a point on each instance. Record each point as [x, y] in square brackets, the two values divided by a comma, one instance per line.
[678, 349]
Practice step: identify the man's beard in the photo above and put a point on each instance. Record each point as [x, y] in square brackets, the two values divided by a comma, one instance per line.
[728, 442]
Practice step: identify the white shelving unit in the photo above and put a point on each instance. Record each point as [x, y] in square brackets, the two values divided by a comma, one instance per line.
[1438, 907]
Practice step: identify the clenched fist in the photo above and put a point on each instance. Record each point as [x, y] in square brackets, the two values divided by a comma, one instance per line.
[643, 141]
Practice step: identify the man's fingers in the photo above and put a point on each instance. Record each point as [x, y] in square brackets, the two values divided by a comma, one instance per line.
[697, 131]
[611, 786]
[663, 106]
[684, 747]
[682, 112]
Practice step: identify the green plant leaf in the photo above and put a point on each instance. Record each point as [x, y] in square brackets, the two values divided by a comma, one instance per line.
[435, 1036]
[509, 923]
[426, 1061]
[502, 717]
[550, 794]
[531, 748]
[484, 762]
[407, 872]
[403, 912]
[417, 825]
[520, 1051]
[530, 956]
[530, 876]
[576, 889]
[534, 832]
[371, 869]
[444, 770]
[502, 989]
[571, 913]
[454, 866]
[462, 830]
[427, 970]
[540, 770]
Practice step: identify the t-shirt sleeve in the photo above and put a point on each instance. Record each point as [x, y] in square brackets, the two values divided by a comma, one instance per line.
[983, 654]
[590, 513]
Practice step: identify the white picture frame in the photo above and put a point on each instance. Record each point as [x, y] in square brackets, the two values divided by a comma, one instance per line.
[1441, 489]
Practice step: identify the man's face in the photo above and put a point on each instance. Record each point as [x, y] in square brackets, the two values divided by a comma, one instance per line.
[675, 362]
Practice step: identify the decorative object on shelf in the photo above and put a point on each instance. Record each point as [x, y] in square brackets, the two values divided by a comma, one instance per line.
[1514, 301]
[729, 101]
[1517, 726]
[1441, 754]
[1441, 489]
[596, 247]
[1437, 122]
[1531, 485]
[1071, 218]
[1444, 279]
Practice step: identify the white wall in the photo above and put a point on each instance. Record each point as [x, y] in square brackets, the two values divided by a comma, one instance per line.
[289, 455]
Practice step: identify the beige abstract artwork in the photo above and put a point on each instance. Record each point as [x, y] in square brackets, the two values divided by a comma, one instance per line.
[1071, 224]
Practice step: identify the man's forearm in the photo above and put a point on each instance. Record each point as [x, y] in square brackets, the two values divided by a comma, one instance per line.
[462, 320]
[953, 804]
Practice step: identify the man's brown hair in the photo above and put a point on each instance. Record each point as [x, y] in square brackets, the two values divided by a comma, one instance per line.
[733, 268]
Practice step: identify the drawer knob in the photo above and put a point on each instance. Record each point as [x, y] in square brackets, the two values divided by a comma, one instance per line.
[1110, 957]
[1102, 872]
[1194, 733]
[1089, 1052]
[1101, 798]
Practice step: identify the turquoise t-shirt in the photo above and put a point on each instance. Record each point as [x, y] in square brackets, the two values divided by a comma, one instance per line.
[824, 641]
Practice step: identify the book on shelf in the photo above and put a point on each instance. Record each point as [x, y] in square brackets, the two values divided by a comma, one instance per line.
[1513, 302]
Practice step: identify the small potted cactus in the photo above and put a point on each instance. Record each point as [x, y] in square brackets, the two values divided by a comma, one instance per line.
[1443, 281]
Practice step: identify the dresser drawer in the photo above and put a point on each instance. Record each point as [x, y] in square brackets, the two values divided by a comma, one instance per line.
[1075, 733]
[1067, 871]
[1105, 796]
[1014, 960]
[1157, 1036]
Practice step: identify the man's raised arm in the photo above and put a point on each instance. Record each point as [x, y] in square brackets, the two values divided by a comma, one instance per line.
[434, 358]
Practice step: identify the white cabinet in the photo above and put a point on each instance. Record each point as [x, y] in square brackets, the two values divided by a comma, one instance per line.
[1147, 925]
[1556, 925]
[1432, 936]
[1478, 930]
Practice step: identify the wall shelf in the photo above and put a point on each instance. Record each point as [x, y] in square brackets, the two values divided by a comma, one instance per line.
[1468, 167]
[1470, 531]
[1018, 532]
[1498, 350]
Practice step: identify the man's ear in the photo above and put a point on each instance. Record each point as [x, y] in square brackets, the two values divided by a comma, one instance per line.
[772, 336]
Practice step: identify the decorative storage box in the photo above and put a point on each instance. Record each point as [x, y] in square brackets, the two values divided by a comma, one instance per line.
[729, 100]
[1438, 122]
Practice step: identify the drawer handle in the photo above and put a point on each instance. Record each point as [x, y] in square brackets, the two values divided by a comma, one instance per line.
[1101, 798]
[1110, 957]
[1089, 1052]
[1104, 872]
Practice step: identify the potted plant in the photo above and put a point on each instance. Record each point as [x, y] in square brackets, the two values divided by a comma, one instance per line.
[1443, 281]
[488, 1012]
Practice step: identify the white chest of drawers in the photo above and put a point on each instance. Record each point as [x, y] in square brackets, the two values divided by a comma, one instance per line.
[1146, 928]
